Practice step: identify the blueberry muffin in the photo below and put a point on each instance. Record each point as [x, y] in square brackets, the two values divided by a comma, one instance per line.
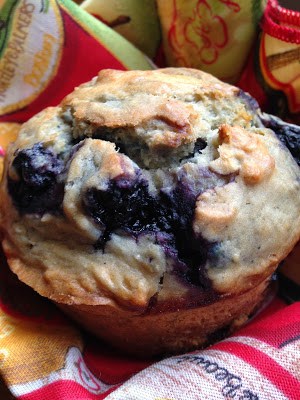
[151, 206]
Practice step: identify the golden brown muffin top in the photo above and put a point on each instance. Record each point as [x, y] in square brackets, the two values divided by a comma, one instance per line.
[148, 186]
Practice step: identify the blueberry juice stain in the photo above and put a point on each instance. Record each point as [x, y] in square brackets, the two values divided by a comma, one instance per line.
[129, 207]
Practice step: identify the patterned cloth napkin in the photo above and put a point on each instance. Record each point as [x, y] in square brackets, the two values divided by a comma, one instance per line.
[46, 48]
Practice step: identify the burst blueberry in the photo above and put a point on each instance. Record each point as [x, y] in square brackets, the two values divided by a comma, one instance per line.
[38, 188]
[168, 216]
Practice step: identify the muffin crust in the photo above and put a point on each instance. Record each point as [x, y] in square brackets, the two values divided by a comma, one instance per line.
[149, 192]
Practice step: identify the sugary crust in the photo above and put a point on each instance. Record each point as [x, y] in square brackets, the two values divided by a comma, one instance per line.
[241, 151]
[138, 99]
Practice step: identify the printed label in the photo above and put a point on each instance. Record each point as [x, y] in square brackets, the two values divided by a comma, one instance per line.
[32, 37]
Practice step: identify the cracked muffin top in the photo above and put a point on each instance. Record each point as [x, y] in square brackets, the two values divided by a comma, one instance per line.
[148, 189]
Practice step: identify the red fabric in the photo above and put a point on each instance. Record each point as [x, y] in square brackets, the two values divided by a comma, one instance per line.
[250, 83]
[63, 390]
[276, 331]
[278, 326]
[276, 374]
[111, 367]
[273, 19]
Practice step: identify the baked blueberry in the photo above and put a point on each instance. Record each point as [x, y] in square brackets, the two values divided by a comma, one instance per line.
[35, 181]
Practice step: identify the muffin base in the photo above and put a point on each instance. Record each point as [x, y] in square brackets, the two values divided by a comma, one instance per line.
[150, 335]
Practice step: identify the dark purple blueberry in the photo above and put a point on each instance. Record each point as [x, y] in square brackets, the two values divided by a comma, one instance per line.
[200, 145]
[37, 188]
[191, 251]
[178, 204]
[126, 204]
[289, 134]
[76, 147]
[189, 256]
